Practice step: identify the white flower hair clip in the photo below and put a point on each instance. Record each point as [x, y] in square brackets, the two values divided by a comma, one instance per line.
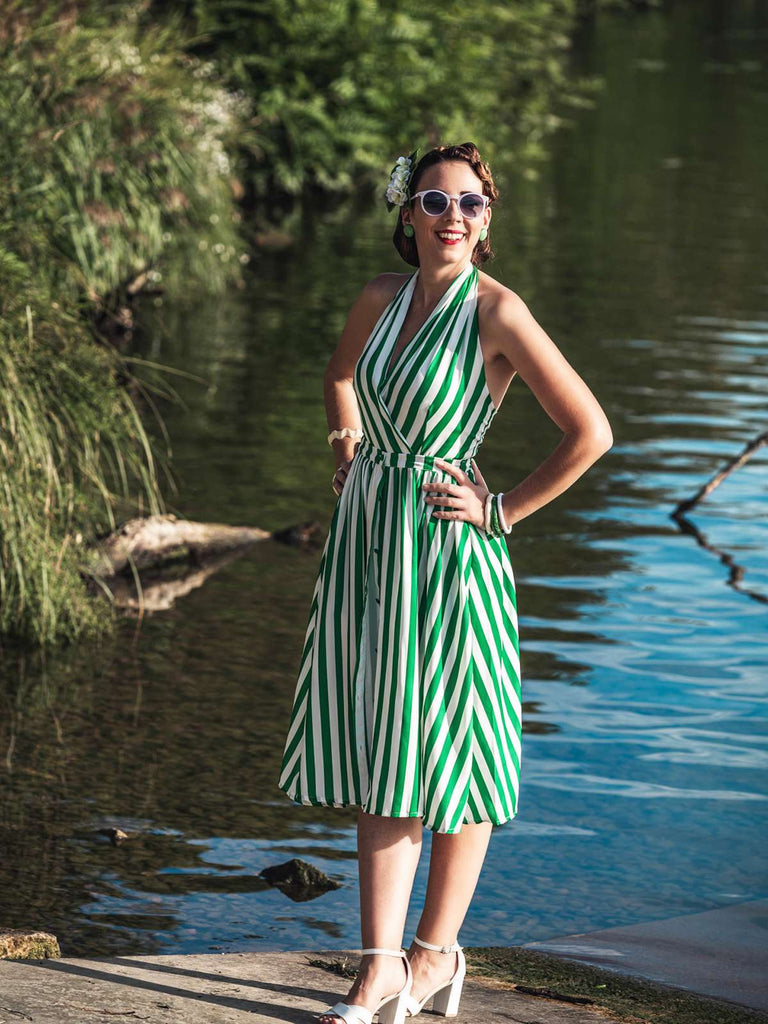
[397, 189]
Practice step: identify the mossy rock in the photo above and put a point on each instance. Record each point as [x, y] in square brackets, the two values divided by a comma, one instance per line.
[17, 944]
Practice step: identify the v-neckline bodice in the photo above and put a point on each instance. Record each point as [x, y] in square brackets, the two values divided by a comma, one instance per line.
[390, 365]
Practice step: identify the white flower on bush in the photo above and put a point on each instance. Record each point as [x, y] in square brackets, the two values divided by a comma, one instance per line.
[130, 55]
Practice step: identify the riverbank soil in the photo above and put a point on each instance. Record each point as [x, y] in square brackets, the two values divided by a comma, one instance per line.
[719, 953]
[624, 997]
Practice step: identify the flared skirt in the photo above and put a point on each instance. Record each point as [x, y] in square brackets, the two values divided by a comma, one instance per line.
[408, 698]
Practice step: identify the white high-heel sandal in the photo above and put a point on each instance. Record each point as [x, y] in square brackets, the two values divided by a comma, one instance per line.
[391, 1009]
[448, 993]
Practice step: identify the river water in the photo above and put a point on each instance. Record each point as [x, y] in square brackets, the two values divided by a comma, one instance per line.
[641, 249]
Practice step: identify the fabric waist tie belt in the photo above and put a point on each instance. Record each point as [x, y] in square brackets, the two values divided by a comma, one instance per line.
[407, 460]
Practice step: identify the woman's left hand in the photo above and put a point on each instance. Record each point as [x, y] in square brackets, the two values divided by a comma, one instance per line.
[463, 500]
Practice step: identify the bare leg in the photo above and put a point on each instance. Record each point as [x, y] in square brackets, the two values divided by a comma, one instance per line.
[454, 868]
[388, 854]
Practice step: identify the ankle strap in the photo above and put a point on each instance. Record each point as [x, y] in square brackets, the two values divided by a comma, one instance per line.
[431, 945]
[378, 949]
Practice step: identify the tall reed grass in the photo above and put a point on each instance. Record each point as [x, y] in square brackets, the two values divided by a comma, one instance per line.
[114, 163]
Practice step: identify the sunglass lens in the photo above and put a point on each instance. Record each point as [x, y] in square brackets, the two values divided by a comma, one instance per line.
[435, 203]
[471, 204]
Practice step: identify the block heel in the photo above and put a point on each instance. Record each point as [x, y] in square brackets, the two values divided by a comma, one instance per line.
[391, 1010]
[446, 1000]
[446, 997]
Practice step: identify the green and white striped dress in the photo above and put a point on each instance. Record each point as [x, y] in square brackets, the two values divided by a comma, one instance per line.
[408, 700]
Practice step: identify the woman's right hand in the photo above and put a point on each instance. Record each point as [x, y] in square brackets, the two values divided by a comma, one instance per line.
[340, 476]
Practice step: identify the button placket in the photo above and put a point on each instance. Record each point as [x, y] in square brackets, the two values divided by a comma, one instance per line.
[364, 669]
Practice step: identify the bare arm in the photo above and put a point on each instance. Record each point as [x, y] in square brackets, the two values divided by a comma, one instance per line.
[564, 397]
[340, 400]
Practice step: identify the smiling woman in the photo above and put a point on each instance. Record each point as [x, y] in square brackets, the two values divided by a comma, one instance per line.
[408, 700]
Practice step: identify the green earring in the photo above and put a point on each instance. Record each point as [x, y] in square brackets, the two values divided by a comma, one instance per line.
[483, 234]
[408, 230]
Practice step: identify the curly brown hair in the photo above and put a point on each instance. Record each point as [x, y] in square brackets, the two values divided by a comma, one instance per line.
[468, 152]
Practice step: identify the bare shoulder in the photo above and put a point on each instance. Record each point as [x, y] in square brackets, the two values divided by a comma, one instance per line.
[513, 335]
[380, 290]
[501, 312]
[370, 303]
[490, 289]
[375, 296]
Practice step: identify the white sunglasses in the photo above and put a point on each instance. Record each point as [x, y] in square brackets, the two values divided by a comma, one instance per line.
[435, 202]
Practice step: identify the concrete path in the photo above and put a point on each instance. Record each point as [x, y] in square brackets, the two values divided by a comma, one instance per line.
[721, 953]
[228, 989]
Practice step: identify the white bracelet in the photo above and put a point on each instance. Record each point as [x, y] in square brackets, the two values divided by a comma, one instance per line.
[500, 509]
[487, 517]
[345, 432]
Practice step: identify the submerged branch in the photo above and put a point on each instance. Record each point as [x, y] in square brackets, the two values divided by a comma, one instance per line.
[146, 565]
[162, 539]
[736, 572]
[735, 463]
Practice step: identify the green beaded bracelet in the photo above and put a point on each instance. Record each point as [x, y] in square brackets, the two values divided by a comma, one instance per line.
[496, 530]
[500, 511]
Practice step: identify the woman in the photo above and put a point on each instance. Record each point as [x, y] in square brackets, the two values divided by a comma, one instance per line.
[408, 697]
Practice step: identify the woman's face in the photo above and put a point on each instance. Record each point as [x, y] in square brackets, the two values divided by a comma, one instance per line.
[435, 247]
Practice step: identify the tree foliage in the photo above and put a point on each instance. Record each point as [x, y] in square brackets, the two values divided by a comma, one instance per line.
[341, 86]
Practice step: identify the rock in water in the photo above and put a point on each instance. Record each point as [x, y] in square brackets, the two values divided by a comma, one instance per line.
[299, 880]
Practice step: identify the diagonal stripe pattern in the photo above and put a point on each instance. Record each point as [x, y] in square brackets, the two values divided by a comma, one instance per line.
[408, 699]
